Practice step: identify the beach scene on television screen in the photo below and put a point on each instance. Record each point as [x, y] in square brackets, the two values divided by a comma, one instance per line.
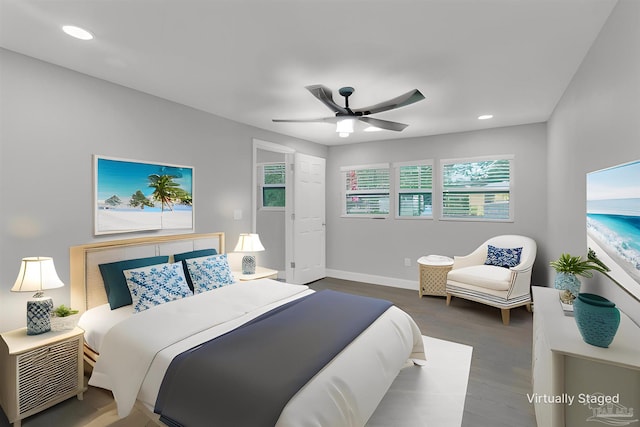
[613, 214]
[135, 196]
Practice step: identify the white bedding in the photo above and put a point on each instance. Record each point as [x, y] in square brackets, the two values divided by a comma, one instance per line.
[136, 351]
[97, 321]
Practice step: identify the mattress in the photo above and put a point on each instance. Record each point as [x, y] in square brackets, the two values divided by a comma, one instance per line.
[136, 350]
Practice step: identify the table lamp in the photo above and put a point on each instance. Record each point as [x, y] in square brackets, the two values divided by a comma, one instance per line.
[37, 274]
[249, 243]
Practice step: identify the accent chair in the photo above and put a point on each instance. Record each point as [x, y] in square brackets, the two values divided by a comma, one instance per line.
[497, 273]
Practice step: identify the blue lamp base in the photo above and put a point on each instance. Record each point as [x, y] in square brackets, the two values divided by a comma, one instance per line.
[39, 315]
[248, 264]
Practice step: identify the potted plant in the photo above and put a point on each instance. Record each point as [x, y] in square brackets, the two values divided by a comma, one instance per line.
[64, 318]
[568, 268]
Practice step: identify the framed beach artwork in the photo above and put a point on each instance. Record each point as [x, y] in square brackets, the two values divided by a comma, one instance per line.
[132, 196]
[613, 222]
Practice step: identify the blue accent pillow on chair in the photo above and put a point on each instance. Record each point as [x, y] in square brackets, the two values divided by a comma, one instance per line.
[503, 257]
[116, 284]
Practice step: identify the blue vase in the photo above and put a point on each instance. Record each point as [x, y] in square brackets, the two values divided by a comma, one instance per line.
[248, 264]
[567, 281]
[597, 319]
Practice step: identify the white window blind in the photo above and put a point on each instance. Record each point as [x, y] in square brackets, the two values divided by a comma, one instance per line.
[414, 187]
[478, 189]
[273, 185]
[366, 190]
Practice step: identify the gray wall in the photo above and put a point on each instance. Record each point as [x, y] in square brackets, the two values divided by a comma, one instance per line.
[52, 120]
[378, 247]
[595, 125]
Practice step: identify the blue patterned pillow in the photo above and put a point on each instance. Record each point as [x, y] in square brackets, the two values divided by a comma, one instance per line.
[209, 272]
[116, 284]
[155, 285]
[503, 257]
[192, 254]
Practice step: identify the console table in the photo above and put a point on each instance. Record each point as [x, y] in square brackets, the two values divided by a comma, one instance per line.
[575, 382]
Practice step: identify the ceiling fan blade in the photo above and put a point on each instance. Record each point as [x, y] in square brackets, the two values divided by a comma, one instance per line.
[320, 120]
[383, 124]
[397, 102]
[325, 96]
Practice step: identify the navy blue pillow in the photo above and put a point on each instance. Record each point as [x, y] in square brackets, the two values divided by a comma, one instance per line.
[503, 257]
[116, 284]
[192, 254]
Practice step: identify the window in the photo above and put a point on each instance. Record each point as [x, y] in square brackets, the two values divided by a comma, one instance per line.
[477, 189]
[273, 185]
[365, 190]
[414, 186]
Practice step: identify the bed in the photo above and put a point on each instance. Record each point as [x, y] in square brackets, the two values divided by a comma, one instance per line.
[132, 354]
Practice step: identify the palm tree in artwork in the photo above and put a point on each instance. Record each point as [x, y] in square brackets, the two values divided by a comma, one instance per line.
[164, 189]
[183, 197]
[138, 199]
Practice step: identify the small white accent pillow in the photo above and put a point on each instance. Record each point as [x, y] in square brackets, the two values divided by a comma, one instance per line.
[209, 272]
[155, 285]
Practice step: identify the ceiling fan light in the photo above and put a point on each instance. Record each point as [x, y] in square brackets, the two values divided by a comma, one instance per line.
[343, 134]
[77, 32]
[372, 129]
[345, 126]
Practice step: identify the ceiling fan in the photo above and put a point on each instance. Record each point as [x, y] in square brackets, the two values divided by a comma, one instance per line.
[345, 117]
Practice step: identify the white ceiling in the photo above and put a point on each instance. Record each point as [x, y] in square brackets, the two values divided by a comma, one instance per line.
[249, 60]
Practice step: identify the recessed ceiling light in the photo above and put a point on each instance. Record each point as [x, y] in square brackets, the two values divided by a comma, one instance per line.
[485, 117]
[77, 32]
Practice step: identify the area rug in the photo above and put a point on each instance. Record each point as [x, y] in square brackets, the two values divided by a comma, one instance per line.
[430, 395]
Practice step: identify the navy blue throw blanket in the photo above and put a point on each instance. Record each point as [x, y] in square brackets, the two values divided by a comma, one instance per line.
[247, 376]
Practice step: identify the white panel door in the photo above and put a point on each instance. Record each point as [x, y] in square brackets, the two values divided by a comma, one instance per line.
[309, 262]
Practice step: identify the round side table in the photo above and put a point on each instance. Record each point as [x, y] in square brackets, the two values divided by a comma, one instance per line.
[433, 274]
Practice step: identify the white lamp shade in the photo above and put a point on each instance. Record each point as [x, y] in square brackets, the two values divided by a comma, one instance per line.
[37, 274]
[345, 126]
[249, 243]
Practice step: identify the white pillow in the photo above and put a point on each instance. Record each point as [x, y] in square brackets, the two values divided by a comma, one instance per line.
[155, 285]
[209, 272]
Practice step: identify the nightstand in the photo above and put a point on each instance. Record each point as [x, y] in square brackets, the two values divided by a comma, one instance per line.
[39, 371]
[433, 274]
[261, 273]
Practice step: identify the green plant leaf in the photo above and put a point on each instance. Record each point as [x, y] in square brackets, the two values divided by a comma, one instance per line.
[64, 311]
[576, 265]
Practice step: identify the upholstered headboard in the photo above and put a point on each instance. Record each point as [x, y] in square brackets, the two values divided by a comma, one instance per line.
[87, 287]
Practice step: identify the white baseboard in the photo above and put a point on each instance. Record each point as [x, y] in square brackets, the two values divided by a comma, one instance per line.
[376, 280]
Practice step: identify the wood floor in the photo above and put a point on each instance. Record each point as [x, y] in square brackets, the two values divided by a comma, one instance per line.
[499, 380]
[500, 376]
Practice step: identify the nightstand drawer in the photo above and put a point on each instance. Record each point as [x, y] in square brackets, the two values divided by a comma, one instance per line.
[46, 373]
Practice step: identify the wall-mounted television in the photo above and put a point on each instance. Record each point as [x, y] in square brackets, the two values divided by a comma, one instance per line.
[613, 222]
